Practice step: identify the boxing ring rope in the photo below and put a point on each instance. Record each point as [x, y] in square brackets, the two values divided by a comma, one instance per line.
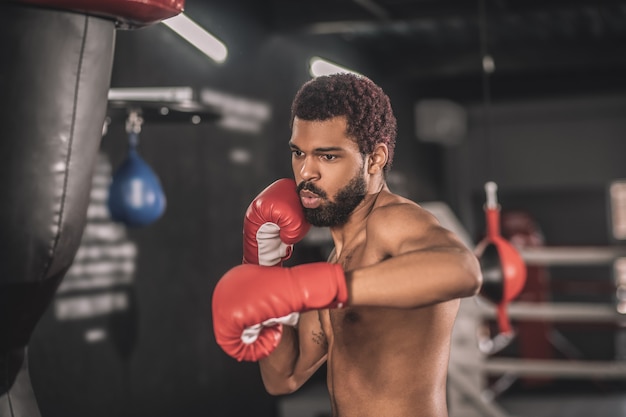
[545, 367]
[562, 311]
[572, 255]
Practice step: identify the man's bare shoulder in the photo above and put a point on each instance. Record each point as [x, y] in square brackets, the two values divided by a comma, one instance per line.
[397, 225]
[392, 209]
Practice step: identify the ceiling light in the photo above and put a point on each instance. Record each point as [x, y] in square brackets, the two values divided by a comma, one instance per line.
[152, 94]
[198, 37]
[319, 66]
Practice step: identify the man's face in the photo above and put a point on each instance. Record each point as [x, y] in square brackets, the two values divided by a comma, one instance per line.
[329, 170]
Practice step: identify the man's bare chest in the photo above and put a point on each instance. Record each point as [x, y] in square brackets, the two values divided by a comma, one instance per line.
[356, 256]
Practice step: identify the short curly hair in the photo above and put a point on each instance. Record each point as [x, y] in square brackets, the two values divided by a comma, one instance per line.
[367, 108]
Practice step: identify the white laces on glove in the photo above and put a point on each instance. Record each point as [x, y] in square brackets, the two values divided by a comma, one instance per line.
[271, 249]
[251, 334]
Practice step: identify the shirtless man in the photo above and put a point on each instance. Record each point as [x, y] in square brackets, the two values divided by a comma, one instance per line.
[380, 312]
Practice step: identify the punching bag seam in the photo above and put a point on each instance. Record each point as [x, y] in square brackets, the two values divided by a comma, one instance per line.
[70, 142]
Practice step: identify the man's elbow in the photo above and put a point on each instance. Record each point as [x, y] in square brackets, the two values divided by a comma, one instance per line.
[283, 388]
[473, 280]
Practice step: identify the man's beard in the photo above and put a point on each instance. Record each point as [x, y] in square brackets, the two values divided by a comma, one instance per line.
[336, 213]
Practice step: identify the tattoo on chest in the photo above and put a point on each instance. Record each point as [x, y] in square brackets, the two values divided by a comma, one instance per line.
[319, 338]
[343, 260]
[348, 258]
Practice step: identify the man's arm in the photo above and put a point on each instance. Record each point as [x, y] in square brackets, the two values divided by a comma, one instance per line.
[422, 263]
[417, 263]
[300, 353]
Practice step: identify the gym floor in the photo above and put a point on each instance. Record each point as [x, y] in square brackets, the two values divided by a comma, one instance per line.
[568, 400]
[565, 405]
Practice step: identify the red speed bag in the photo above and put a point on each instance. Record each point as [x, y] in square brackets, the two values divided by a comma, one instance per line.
[503, 269]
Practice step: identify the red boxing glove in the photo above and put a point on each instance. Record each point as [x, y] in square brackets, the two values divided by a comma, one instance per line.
[274, 222]
[251, 294]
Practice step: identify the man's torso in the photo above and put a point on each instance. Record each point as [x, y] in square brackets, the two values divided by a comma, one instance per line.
[386, 361]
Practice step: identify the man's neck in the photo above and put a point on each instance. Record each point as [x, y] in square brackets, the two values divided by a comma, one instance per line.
[343, 235]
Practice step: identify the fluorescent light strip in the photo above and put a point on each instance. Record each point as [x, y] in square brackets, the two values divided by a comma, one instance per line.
[151, 94]
[319, 66]
[198, 37]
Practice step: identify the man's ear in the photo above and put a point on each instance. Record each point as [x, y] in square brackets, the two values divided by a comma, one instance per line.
[378, 159]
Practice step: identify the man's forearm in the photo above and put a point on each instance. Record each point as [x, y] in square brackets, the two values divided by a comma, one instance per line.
[299, 354]
[278, 368]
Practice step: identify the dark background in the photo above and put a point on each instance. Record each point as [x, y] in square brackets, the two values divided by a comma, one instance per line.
[550, 129]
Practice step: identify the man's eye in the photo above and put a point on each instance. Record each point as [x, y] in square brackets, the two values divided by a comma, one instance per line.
[329, 157]
[296, 153]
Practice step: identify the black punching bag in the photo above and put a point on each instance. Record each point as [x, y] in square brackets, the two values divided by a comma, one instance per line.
[55, 70]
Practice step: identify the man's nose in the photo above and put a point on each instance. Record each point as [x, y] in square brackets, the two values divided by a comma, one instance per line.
[309, 169]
